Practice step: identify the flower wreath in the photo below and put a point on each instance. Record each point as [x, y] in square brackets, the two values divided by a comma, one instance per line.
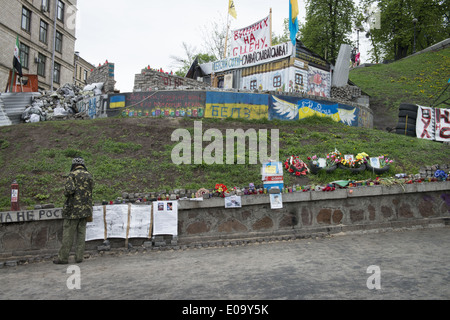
[296, 166]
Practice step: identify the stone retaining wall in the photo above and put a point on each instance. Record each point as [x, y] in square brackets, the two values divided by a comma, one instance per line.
[39, 232]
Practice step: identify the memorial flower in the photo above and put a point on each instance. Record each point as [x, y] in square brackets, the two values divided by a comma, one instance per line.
[295, 166]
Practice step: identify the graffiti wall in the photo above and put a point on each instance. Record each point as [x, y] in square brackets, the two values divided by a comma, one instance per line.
[95, 106]
[236, 105]
[221, 105]
[319, 82]
[295, 108]
[158, 104]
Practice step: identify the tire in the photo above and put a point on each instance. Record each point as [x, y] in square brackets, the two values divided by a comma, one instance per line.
[409, 133]
[378, 170]
[410, 114]
[409, 107]
[409, 121]
[360, 169]
[408, 126]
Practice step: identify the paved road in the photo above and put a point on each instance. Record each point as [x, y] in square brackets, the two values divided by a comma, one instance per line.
[413, 264]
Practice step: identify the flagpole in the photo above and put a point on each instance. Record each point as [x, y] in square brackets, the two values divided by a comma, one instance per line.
[226, 38]
[270, 26]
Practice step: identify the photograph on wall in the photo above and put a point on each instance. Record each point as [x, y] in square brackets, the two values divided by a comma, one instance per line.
[276, 201]
[233, 202]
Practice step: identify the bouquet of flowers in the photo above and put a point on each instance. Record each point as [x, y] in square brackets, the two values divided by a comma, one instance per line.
[295, 166]
[221, 189]
[357, 162]
[333, 158]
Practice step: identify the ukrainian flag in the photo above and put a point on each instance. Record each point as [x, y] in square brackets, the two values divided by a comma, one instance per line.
[293, 20]
[117, 102]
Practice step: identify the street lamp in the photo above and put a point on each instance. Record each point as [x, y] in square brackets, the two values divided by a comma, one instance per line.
[415, 22]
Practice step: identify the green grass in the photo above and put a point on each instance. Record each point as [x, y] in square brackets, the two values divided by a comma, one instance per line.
[418, 79]
[119, 166]
[134, 155]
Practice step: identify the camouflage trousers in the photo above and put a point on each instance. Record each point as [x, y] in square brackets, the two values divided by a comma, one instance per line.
[72, 228]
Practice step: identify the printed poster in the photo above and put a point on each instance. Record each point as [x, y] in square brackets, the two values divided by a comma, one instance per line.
[276, 201]
[233, 202]
[118, 223]
[165, 218]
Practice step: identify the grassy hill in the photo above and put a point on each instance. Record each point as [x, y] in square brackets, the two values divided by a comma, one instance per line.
[134, 155]
[418, 79]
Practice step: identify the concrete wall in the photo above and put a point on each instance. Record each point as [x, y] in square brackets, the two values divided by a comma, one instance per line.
[229, 104]
[304, 213]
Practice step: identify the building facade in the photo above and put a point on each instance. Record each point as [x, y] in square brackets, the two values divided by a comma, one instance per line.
[280, 68]
[82, 72]
[46, 31]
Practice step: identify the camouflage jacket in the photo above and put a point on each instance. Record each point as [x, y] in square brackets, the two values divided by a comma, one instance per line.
[78, 192]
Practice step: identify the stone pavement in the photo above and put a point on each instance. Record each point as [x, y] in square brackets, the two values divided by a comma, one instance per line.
[378, 265]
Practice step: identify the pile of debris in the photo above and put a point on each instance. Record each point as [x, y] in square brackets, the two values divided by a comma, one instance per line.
[345, 93]
[60, 104]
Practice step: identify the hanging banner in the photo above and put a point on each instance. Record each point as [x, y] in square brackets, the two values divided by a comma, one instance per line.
[425, 123]
[252, 38]
[442, 129]
[269, 54]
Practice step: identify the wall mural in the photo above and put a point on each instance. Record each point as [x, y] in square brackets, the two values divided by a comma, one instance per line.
[294, 108]
[222, 105]
[236, 105]
[158, 104]
[319, 82]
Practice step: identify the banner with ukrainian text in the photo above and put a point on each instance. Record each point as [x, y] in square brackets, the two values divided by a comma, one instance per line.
[252, 38]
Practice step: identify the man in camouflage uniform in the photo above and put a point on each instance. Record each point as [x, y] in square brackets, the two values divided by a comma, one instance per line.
[77, 210]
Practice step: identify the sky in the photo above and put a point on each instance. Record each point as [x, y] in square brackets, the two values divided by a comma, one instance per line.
[136, 33]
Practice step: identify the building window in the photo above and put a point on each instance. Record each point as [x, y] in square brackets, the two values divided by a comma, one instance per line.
[26, 19]
[85, 76]
[24, 53]
[43, 31]
[299, 79]
[41, 65]
[253, 85]
[58, 43]
[277, 81]
[57, 73]
[45, 5]
[60, 14]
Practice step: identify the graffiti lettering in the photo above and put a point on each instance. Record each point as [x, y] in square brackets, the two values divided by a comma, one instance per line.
[34, 215]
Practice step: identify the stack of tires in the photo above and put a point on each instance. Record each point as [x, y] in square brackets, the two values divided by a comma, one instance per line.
[407, 117]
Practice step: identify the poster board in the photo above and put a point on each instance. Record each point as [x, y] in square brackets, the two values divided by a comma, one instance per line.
[165, 218]
[119, 221]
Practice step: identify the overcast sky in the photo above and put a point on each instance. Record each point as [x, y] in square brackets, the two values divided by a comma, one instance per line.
[136, 33]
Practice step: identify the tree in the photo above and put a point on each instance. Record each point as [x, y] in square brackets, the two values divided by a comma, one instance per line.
[328, 25]
[183, 64]
[409, 24]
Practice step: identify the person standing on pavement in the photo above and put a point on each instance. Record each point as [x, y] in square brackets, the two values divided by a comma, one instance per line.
[77, 211]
